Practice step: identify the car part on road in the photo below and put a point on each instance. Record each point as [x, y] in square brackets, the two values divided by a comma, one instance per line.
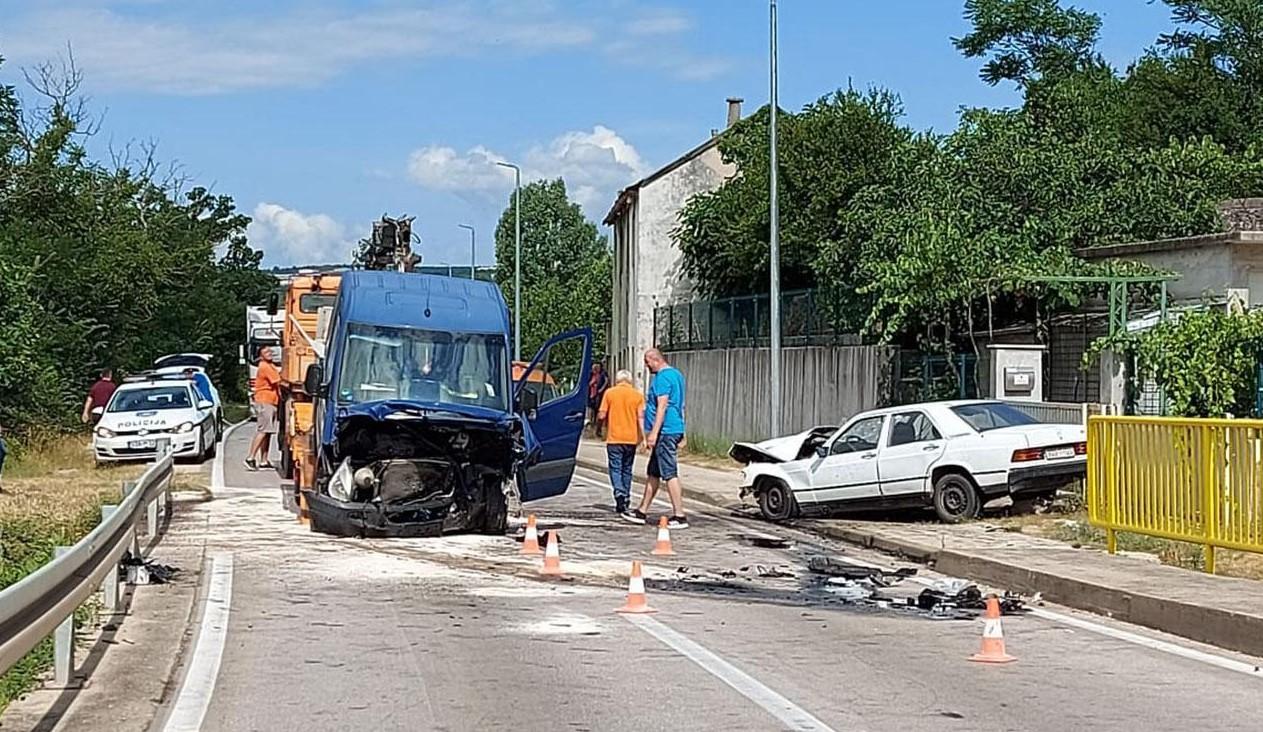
[850, 590]
[835, 567]
[764, 541]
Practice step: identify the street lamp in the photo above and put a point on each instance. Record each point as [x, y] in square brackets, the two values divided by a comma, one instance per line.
[775, 241]
[517, 259]
[472, 249]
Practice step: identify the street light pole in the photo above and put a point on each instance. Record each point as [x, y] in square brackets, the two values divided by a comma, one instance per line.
[472, 248]
[775, 240]
[517, 259]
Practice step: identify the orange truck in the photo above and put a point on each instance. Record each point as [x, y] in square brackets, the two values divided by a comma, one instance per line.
[307, 295]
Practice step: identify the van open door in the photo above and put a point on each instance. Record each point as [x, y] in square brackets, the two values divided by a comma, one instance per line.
[552, 398]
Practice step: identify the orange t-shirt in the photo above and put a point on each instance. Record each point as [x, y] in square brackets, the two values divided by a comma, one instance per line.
[623, 406]
[267, 383]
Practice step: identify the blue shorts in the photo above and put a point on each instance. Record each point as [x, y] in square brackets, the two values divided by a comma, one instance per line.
[663, 462]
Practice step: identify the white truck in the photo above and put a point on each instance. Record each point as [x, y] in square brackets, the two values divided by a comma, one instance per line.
[262, 329]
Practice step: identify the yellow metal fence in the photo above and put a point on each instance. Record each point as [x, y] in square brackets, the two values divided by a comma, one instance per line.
[1195, 480]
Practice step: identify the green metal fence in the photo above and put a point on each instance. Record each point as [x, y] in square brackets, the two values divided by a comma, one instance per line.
[745, 322]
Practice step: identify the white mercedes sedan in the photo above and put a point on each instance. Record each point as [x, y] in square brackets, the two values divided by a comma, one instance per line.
[950, 456]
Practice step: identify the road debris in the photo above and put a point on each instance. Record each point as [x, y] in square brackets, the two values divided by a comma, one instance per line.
[952, 594]
[835, 567]
[140, 572]
[850, 590]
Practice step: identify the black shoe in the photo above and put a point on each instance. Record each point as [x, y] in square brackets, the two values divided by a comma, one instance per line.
[677, 522]
[634, 516]
[250, 465]
[620, 507]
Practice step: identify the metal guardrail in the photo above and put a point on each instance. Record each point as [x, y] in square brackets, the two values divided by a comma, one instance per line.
[45, 600]
[1194, 480]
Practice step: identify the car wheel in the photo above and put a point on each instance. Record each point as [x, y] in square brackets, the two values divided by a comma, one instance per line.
[956, 499]
[777, 502]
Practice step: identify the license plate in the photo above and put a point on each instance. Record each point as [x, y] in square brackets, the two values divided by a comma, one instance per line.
[142, 444]
[1059, 453]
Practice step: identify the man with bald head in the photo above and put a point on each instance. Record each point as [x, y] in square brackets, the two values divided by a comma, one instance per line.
[664, 431]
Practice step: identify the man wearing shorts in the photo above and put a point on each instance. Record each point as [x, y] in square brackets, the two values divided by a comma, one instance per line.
[664, 427]
[267, 395]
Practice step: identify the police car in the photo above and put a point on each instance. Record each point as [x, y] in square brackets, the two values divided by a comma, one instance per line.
[147, 414]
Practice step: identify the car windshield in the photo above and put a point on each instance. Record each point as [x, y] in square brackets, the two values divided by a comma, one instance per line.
[382, 362]
[153, 398]
[985, 417]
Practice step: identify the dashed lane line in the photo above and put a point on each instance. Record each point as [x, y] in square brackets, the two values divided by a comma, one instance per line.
[787, 712]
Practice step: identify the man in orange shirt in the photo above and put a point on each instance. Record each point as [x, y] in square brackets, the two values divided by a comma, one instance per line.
[267, 395]
[624, 408]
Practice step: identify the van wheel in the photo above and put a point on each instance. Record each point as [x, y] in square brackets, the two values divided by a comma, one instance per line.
[777, 502]
[956, 499]
[495, 510]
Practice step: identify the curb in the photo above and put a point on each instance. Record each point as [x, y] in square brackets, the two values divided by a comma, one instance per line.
[1206, 624]
[1203, 623]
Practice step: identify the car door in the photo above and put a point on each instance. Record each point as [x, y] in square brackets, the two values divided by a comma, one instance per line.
[848, 471]
[913, 444]
[553, 414]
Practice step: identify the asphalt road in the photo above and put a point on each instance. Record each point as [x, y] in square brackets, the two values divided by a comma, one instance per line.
[460, 633]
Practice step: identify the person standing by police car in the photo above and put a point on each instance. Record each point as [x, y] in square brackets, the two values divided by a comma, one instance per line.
[98, 396]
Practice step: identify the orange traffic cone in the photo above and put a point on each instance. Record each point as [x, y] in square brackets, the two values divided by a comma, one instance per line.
[552, 557]
[992, 636]
[530, 545]
[663, 547]
[636, 600]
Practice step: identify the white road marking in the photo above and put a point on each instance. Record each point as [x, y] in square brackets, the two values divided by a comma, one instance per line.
[789, 713]
[195, 693]
[1231, 664]
[217, 467]
[1193, 654]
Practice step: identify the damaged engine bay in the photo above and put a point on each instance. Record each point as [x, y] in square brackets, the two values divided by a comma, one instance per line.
[422, 473]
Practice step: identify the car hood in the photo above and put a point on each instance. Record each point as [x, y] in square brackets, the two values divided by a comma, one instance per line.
[158, 419]
[776, 450]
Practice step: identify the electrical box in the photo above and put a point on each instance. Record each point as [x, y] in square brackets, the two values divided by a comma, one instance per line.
[1017, 372]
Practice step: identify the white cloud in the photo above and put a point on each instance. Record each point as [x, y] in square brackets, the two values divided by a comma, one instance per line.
[290, 237]
[594, 163]
[176, 49]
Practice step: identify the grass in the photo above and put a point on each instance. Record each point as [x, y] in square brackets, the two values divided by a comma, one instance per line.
[234, 413]
[1074, 529]
[52, 497]
[708, 452]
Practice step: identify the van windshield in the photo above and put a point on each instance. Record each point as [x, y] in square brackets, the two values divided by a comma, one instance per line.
[384, 362]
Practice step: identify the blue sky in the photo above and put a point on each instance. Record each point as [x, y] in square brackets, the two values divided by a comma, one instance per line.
[320, 116]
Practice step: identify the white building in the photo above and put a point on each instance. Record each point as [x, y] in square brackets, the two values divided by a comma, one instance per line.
[647, 263]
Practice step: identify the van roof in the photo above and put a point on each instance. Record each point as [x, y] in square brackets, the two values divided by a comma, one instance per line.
[412, 300]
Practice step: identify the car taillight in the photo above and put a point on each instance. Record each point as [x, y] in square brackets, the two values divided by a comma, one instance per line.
[1080, 448]
[1028, 454]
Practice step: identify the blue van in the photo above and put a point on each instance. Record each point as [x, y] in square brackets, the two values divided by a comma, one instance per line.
[419, 426]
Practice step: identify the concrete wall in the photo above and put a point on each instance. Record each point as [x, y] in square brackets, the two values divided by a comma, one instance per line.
[728, 390]
[647, 270]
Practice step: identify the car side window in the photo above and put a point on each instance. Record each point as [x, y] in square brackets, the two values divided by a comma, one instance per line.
[863, 435]
[910, 427]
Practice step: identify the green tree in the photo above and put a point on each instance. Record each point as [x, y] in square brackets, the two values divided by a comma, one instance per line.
[566, 266]
[1026, 41]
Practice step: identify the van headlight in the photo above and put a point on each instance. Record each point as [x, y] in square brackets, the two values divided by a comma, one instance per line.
[340, 485]
[184, 428]
[103, 432]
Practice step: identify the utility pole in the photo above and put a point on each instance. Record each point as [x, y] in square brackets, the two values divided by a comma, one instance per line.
[774, 312]
[472, 248]
[517, 259]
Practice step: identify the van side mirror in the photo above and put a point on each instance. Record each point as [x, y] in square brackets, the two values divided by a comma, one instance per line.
[314, 380]
[274, 303]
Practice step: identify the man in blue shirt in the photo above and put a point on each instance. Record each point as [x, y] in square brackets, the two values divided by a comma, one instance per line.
[664, 431]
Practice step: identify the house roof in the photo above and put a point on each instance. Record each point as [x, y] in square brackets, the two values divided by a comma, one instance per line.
[627, 196]
[1132, 249]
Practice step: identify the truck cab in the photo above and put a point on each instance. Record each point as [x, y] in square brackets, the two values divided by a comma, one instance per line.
[420, 426]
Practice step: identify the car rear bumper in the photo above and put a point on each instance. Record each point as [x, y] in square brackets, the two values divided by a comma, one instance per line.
[342, 518]
[1045, 478]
